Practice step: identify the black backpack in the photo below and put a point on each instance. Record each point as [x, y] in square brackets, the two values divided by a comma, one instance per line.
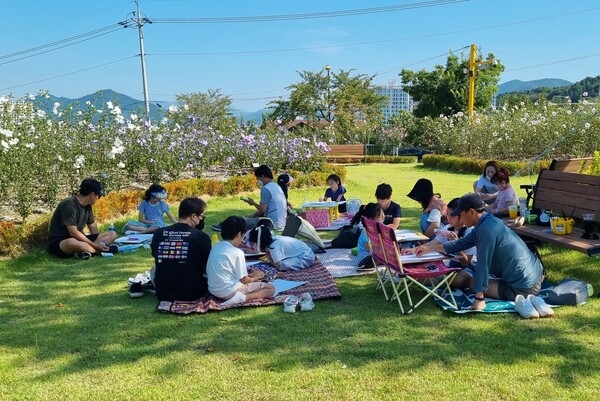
[347, 238]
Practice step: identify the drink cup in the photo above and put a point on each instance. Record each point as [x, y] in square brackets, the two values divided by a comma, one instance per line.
[589, 222]
[512, 211]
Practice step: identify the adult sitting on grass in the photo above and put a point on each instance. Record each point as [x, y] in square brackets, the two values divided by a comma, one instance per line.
[500, 253]
[66, 237]
[228, 277]
[180, 253]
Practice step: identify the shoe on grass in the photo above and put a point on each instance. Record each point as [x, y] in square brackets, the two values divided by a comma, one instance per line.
[540, 306]
[237, 298]
[136, 290]
[82, 255]
[306, 302]
[290, 304]
[525, 308]
[114, 248]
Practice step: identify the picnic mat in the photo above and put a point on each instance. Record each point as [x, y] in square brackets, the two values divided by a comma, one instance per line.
[464, 300]
[319, 284]
[340, 262]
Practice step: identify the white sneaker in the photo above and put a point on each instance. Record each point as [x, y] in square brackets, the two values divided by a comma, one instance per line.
[237, 298]
[525, 308]
[306, 302]
[290, 304]
[540, 306]
[130, 232]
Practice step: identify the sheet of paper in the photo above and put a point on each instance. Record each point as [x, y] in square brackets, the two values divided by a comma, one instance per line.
[284, 285]
[426, 257]
[134, 239]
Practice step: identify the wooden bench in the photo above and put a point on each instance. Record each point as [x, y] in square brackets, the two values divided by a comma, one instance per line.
[567, 166]
[571, 195]
[350, 152]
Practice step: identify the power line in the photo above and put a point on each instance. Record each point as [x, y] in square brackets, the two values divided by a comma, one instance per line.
[288, 17]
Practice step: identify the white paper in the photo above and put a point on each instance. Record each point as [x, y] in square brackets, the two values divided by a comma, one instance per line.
[284, 285]
[426, 257]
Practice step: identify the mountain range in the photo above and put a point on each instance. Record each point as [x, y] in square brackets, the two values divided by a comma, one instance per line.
[130, 105]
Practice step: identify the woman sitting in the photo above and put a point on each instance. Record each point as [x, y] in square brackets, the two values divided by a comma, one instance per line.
[432, 204]
[484, 186]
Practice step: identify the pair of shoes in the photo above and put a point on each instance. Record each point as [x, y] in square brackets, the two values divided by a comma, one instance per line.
[365, 269]
[130, 232]
[540, 306]
[114, 248]
[141, 278]
[136, 290]
[216, 227]
[149, 287]
[525, 307]
[306, 302]
[82, 255]
[237, 298]
[290, 304]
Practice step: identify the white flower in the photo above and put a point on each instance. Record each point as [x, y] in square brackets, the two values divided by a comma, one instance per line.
[585, 94]
[88, 103]
[6, 132]
[172, 109]
[30, 145]
[116, 110]
[109, 104]
[60, 158]
[587, 125]
[79, 161]
[30, 96]
[55, 108]
[133, 117]
[121, 165]
[13, 141]
[4, 144]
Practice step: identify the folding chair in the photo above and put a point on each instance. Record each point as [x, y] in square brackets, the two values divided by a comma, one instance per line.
[378, 256]
[433, 277]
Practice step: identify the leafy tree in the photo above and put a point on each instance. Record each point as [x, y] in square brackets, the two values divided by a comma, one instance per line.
[445, 90]
[210, 109]
[349, 104]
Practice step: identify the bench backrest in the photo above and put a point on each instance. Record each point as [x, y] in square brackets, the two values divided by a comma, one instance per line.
[571, 194]
[571, 165]
[357, 149]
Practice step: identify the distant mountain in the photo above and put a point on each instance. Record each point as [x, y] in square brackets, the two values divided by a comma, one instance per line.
[129, 105]
[520, 86]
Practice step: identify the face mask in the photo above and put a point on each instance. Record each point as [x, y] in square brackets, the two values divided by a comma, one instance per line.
[200, 225]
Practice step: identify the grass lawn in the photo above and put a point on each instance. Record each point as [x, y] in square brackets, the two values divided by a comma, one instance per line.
[69, 331]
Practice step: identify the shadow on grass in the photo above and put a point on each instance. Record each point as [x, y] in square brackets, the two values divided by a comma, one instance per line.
[76, 316]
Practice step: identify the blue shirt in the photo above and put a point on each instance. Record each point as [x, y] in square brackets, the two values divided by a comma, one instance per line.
[334, 195]
[154, 212]
[501, 253]
[272, 195]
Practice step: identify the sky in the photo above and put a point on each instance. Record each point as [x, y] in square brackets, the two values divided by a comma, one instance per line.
[252, 50]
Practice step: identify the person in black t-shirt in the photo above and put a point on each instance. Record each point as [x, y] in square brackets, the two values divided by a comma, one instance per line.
[180, 252]
[392, 210]
[66, 237]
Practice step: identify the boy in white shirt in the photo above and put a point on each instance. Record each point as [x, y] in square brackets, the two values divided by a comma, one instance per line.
[228, 277]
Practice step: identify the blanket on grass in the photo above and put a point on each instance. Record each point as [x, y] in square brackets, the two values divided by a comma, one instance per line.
[466, 298]
[319, 284]
[340, 262]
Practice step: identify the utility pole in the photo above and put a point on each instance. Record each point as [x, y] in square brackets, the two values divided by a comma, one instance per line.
[139, 22]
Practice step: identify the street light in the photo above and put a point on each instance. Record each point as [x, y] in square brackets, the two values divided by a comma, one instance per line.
[472, 69]
[328, 68]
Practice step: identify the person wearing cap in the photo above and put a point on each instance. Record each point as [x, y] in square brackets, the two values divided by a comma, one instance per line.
[433, 206]
[151, 212]
[66, 235]
[500, 253]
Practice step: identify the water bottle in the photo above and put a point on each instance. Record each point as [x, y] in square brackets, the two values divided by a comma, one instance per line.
[523, 207]
[214, 240]
[111, 227]
[127, 248]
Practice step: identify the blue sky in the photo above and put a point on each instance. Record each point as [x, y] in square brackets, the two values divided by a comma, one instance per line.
[253, 62]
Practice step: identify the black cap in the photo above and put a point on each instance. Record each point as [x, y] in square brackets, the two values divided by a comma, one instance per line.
[90, 185]
[468, 201]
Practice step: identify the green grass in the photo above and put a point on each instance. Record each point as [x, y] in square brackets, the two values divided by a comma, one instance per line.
[69, 331]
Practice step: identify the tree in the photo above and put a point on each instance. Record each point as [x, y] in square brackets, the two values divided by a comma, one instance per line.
[211, 109]
[445, 90]
[348, 103]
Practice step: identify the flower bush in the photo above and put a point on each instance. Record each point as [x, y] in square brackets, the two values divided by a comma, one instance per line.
[42, 154]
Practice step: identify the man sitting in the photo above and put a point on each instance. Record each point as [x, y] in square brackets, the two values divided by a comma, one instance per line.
[66, 237]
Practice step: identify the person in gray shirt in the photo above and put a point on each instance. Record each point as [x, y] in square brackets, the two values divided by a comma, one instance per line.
[501, 253]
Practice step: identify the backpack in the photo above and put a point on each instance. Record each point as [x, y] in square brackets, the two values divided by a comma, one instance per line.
[347, 238]
[569, 292]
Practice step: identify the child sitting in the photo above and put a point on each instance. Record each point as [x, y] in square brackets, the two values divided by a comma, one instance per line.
[335, 192]
[226, 268]
[506, 194]
[285, 253]
[151, 211]
[371, 211]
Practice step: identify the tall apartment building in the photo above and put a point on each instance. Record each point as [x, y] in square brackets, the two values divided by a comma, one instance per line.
[397, 99]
